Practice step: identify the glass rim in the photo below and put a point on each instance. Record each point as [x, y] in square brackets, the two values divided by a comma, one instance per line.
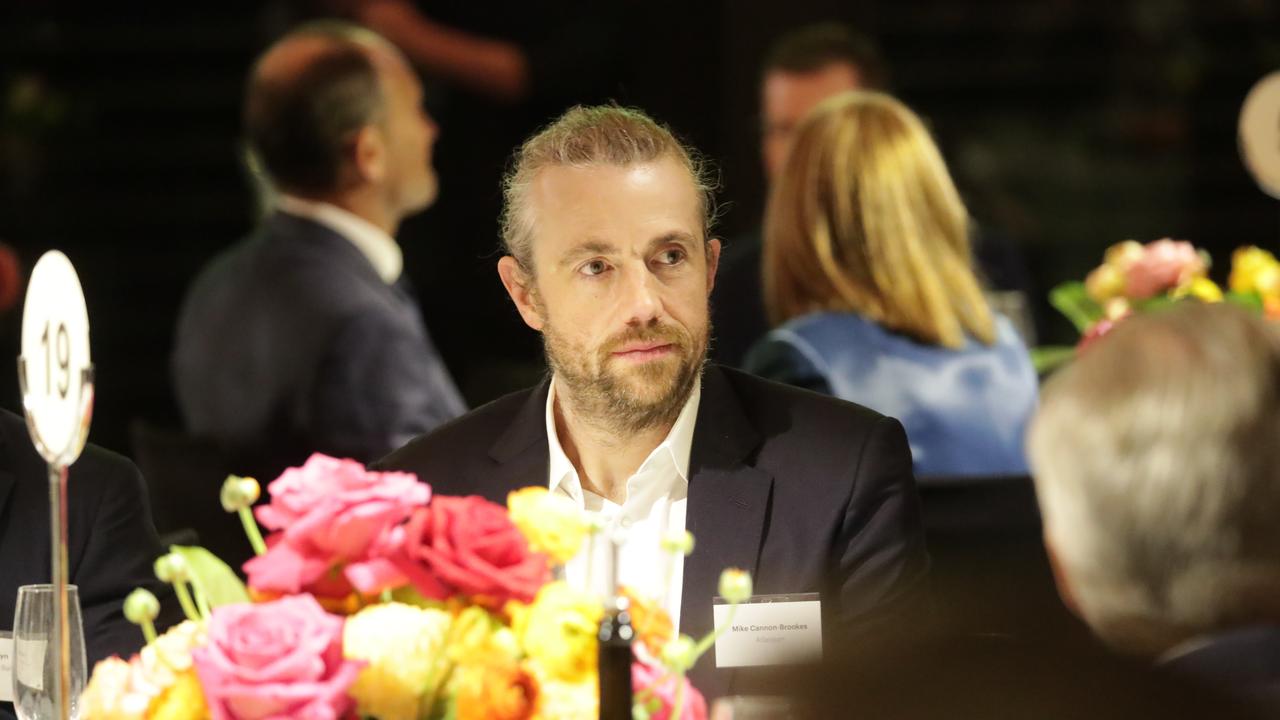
[44, 587]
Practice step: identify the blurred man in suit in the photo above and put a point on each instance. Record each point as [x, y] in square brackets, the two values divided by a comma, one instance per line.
[303, 338]
[607, 224]
[1157, 464]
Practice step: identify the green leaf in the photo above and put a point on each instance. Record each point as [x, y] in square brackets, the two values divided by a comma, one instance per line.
[1156, 303]
[1071, 300]
[214, 582]
[1251, 300]
[1048, 358]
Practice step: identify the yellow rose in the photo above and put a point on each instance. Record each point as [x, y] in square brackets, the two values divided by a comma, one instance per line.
[183, 700]
[1123, 254]
[569, 701]
[478, 637]
[558, 631]
[112, 693]
[1201, 288]
[553, 524]
[1254, 270]
[1104, 283]
[401, 644]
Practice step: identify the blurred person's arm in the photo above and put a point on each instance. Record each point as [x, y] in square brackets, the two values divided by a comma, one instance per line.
[780, 361]
[494, 68]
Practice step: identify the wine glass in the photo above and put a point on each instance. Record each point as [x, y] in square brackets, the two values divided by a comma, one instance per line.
[35, 671]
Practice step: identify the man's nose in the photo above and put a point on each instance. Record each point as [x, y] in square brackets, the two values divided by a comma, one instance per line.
[642, 297]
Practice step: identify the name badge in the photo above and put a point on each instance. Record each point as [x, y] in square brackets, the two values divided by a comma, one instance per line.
[769, 630]
[6, 667]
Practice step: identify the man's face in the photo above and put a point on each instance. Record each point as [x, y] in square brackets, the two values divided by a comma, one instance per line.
[786, 97]
[620, 284]
[411, 133]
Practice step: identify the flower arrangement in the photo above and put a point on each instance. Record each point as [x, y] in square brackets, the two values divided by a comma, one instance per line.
[371, 597]
[1136, 277]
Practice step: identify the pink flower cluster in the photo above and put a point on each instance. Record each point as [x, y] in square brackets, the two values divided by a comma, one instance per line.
[281, 659]
[1163, 265]
[338, 527]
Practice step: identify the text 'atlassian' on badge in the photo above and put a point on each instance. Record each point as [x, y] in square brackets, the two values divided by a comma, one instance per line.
[6, 667]
[769, 630]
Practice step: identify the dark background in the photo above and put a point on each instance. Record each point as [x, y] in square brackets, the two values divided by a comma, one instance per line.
[1069, 125]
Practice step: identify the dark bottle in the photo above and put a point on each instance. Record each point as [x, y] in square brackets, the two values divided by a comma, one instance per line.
[615, 648]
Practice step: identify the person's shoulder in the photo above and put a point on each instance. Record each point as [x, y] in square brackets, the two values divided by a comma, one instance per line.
[96, 472]
[461, 441]
[771, 404]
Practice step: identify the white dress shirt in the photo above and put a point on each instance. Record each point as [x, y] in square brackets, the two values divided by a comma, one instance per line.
[372, 241]
[654, 508]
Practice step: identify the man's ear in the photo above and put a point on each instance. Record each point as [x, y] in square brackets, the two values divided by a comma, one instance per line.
[520, 287]
[369, 149]
[713, 263]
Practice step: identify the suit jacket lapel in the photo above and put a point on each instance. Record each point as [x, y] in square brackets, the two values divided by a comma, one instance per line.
[8, 465]
[520, 455]
[728, 501]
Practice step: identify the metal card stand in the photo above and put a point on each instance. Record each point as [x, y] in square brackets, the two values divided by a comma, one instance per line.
[59, 460]
[55, 343]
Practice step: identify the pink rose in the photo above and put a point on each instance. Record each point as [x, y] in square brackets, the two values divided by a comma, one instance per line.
[1164, 265]
[281, 659]
[469, 546]
[328, 512]
[654, 681]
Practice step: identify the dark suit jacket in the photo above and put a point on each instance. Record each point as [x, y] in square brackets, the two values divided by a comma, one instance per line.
[1244, 663]
[809, 493]
[111, 542]
[290, 343]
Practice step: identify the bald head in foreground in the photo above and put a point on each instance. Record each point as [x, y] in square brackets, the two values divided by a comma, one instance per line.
[1157, 465]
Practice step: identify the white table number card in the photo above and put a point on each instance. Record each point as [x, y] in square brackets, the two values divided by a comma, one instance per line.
[770, 630]
[6, 667]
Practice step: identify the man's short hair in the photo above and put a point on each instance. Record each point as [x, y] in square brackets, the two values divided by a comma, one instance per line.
[1157, 465]
[585, 136]
[300, 127]
[814, 47]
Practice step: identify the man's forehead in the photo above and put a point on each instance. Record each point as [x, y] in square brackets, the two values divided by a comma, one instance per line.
[573, 203]
[810, 86]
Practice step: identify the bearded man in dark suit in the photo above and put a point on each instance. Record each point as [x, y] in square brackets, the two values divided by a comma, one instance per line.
[607, 225]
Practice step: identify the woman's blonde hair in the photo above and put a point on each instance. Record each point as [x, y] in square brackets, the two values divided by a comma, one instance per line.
[866, 219]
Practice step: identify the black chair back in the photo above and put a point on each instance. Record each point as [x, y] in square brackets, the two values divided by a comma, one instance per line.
[184, 477]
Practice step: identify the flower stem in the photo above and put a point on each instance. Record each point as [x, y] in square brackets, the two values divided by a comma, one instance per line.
[706, 642]
[149, 631]
[184, 599]
[678, 702]
[251, 529]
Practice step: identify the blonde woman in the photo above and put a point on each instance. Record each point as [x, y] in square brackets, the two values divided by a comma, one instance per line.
[870, 286]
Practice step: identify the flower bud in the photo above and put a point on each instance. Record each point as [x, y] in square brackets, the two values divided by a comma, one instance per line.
[172, 568]
[678, 655]
[735, 585]
[680, 542]
[141, 607]
[239, 493]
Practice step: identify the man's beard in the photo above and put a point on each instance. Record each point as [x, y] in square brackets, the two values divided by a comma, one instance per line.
[619, 396]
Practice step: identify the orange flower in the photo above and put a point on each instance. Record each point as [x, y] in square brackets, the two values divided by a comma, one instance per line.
[494, 690]
[651, 623]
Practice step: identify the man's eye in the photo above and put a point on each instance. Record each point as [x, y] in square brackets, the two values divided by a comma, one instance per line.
[671, 257]
[593, 268]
